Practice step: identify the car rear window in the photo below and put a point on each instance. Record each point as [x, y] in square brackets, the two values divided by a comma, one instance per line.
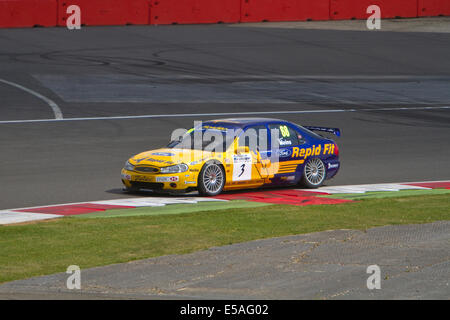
[287, 136]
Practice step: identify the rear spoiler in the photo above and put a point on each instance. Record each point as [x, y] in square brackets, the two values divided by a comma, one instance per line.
[334, 131]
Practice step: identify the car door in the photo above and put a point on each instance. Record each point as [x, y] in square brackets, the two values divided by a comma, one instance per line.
[250, 159]
[284, 139]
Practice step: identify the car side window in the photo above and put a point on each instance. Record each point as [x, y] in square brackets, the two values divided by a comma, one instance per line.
[255, 137]
[300, 136]
[287, 136]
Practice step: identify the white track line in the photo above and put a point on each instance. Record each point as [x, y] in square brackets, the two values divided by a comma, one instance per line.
[10, 217]
[56, 110]
[181, 115]
[294, 77]
[366, 188]
[138, 200]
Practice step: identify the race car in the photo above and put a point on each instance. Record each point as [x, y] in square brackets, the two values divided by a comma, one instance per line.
[231, 154]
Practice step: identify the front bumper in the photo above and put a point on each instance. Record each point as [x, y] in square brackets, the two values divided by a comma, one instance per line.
[158, 181]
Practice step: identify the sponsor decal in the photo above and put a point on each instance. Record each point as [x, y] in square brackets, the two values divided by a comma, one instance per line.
[141, 178]
[126, 177]
[284, 153]
[215, 128]
[333, 165]
[239, 182]
[167, 179]
[163, 154]
[284, 142]
[313, 151]
[242, 167]
[189, 182]
[328, 148]
[193, 163]
[149, 159]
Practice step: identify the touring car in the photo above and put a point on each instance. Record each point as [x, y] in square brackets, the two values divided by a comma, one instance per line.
[231, 154]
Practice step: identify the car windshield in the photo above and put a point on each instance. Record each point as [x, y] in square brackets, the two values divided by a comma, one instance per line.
[205, 139]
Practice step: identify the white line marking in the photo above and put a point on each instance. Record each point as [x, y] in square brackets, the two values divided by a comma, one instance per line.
[295, 77]
[181, 115]
[9, 217]
[51, 103]
[363, 188]
[155, 202]
[116, 201]
[345, 101]
[367, 188]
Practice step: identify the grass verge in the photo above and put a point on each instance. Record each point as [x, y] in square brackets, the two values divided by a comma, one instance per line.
[49, 247]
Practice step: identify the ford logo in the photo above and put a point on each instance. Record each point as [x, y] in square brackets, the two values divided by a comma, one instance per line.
[283, 153]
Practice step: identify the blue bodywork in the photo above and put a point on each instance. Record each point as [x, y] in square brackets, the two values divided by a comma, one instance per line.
[310, 140]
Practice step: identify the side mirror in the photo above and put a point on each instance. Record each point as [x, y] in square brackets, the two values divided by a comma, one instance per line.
[240, 150]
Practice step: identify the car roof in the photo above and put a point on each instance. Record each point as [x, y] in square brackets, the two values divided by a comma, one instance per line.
[242, 122]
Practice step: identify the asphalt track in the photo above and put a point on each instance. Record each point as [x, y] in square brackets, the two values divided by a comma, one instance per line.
[362, 78]
[389, 92]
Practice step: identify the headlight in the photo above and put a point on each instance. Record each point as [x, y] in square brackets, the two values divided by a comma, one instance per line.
[175, 169]
[128, 166]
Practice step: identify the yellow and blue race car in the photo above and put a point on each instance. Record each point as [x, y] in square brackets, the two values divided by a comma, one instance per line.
[231, 154]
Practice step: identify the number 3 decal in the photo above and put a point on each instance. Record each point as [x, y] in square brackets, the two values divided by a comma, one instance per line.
[243, 170]
[242, 167]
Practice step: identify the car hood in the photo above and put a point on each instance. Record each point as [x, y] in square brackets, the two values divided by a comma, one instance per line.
[167, 157]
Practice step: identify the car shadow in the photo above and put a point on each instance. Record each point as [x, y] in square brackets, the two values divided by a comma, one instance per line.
[150, 193]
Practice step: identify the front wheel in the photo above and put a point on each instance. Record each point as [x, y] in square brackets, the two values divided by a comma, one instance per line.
[211, 179]
[314, 173]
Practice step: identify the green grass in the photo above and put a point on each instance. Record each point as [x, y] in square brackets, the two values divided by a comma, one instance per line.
[50, 247]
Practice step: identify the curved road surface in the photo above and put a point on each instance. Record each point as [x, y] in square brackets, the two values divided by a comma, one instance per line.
[122, 90]
[384, 80]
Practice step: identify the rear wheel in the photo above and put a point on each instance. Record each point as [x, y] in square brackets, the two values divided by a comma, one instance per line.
[211, 179]
[314, 173]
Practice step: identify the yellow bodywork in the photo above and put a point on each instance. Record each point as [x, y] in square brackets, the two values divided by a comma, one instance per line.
[260, 173]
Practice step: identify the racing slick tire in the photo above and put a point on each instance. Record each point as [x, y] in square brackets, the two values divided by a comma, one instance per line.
[211, 179]
[314, 173]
